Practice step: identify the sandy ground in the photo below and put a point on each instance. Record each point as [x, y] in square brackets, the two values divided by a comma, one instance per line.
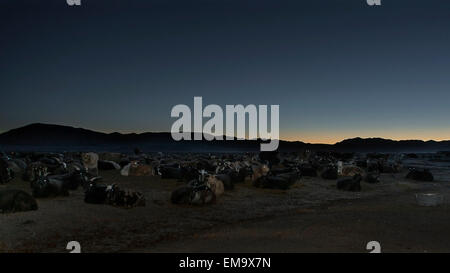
[395, 222]
[313, 216]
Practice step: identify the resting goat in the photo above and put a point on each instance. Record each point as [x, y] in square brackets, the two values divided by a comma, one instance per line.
[420, 175]
[16, 200]
[196, 192]
[350, 184]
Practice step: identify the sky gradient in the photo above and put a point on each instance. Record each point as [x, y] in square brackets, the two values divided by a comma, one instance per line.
[337, 68]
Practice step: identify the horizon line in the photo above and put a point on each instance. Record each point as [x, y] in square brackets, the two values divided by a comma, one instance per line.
[280, 139]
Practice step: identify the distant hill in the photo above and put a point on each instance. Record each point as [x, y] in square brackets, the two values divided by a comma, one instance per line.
[380, 144]
[48, 137]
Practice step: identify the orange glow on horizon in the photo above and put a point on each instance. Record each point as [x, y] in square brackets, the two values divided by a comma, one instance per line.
[323, 136]
[334, 137]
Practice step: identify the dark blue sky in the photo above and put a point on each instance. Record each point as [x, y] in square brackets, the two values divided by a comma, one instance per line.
[337, 68]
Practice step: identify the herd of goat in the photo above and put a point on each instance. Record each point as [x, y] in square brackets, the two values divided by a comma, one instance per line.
[206, 176]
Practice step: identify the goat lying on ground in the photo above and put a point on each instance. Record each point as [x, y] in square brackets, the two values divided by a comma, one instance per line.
[90, 162]
[199, 191]
[420, 175]
[372, 178]
[216, 185]
[135, 168]
[330, 172]
[6, 173]
[106, 165]
[350, 184]
[281, 181]
[15, 201]
[193, 194]
[49, 187]
[113, 195]
[308, 170]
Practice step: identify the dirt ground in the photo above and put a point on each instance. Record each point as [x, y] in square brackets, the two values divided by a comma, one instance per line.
[393, 221]
[313, 216]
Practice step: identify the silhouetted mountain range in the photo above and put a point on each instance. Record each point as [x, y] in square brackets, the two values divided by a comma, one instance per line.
[47, 137]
